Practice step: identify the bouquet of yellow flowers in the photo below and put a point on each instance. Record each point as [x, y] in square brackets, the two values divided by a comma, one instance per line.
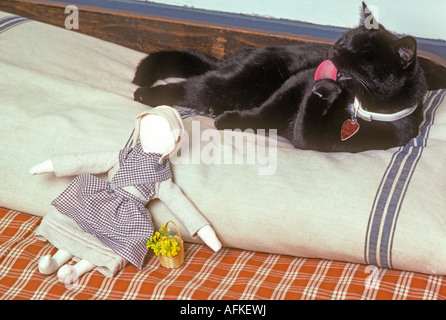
[162, 242]
[166, 245]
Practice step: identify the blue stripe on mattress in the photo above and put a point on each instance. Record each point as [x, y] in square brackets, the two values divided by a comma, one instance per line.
[9, 22]
[186, 112]
[394, 184]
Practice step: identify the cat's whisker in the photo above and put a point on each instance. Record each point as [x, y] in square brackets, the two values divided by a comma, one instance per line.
[364, 84]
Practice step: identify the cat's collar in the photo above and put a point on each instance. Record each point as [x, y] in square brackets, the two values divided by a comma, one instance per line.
[387, 117]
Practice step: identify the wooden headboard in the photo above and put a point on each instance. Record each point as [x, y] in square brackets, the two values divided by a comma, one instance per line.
[148, 32]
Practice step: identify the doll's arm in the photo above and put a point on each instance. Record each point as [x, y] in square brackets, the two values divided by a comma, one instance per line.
[187, 213]
[43, 167]
[74, 164]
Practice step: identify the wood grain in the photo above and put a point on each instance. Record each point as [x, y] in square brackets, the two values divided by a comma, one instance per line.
[147, 33]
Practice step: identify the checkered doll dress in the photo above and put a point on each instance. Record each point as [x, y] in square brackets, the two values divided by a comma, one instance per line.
[114, 216]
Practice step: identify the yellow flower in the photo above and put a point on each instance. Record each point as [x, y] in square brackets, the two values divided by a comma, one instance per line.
[163, 243]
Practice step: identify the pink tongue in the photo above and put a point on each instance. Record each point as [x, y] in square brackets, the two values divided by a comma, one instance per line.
[326, 70]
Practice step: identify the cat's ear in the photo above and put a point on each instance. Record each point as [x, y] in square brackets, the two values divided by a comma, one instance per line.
[406, 50]
[367, 19]
[365, 12]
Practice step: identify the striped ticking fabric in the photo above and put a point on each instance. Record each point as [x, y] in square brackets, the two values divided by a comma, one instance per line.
[9, 22]
[390, 195]
[227, 274]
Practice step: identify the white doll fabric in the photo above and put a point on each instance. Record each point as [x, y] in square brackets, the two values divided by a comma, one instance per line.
[64, 233]
[175, 122]
[114, 216]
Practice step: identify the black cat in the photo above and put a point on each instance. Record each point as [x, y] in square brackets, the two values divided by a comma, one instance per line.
[282, 88]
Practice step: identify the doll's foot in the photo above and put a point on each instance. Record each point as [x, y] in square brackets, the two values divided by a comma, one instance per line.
[69, 274]
[47, 265]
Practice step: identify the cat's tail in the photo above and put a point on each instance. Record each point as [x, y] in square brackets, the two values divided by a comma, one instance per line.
[172, 63]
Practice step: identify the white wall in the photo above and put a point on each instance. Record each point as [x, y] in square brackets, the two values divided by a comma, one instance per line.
[426, 19]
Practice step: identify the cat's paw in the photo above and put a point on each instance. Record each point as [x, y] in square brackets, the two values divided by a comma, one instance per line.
[215, 111]
[228, 120]
[327, 90]
[168, 94]
[142, 95]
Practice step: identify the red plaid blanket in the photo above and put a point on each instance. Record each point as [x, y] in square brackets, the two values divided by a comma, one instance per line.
[205, 275]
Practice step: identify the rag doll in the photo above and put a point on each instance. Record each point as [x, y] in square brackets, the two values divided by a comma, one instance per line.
[364, 92]
[104, 225]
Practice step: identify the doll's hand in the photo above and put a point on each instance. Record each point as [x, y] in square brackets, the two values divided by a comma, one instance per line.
[43, 167]
[207, 234]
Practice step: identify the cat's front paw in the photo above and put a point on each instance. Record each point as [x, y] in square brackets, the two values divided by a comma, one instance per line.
[228, 120]
[327, 90]
[142, 95]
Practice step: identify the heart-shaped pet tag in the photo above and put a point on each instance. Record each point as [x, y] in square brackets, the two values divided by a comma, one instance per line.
[349, 128]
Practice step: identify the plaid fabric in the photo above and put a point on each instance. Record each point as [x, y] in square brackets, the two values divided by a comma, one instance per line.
[228, 274]
[115, 217]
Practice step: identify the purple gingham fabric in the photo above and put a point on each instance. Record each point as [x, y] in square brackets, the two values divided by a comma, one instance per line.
[114, 216]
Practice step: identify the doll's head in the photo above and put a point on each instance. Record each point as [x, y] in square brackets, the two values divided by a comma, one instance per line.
[155, 134]
[160, 131]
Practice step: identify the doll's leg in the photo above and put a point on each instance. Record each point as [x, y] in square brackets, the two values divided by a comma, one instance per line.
[69, 274]
[48, 264]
